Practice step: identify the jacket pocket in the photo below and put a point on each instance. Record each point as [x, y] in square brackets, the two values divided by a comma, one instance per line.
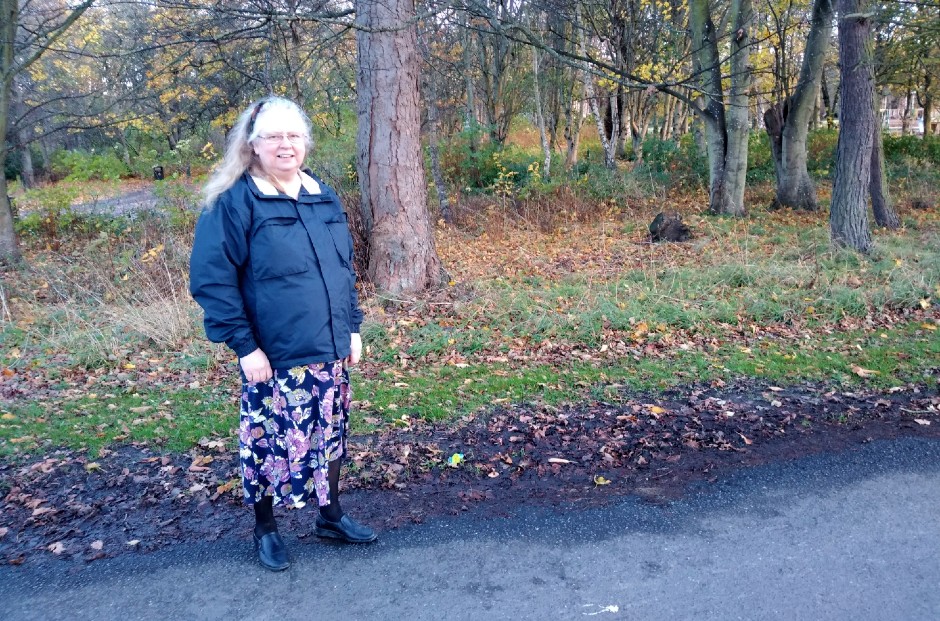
[337, 224]
[278, 248]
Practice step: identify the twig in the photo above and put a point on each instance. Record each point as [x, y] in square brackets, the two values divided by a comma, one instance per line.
[918, 411]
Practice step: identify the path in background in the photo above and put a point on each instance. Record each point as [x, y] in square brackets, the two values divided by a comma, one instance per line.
[853, 535]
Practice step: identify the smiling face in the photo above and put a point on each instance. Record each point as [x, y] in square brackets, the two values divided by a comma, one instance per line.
[280, 157]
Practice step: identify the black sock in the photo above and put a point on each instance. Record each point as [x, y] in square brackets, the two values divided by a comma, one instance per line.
[333, 512]
[264, 517]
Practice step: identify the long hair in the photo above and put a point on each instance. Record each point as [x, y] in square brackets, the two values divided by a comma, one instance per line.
[239, 156]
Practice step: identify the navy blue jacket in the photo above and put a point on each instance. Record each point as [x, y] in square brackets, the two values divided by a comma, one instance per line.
[276, 273]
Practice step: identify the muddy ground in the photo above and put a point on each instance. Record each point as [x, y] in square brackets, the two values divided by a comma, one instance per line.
[136, 499]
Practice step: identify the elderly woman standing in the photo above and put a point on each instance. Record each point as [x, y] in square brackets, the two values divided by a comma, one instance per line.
[272, 267]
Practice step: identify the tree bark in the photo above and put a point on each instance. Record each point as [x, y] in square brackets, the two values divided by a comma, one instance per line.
[787, 122]
[390, 163]
[848, 216]
[726, 131]
[539, 116]
[881, 205]
[9, 11]
[434, 134]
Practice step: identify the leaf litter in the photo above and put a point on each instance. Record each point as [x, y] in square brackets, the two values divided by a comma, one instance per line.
[137, 499]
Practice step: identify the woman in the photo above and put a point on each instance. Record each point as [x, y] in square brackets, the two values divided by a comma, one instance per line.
[272, 267]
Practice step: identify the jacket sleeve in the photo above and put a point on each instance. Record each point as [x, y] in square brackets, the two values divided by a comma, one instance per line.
[355, 312]
[218, 260]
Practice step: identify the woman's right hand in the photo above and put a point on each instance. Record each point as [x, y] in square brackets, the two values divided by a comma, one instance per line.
[256, 367]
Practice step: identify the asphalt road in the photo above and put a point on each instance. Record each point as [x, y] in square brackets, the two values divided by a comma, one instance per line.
[852, 536]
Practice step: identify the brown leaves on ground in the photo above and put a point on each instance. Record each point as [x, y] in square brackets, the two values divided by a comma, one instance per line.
[587, 452]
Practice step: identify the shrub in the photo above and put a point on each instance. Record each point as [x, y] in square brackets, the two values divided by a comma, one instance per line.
[821, 152]
[85, 166]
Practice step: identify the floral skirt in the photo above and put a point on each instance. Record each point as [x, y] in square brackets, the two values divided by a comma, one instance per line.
[292, 427]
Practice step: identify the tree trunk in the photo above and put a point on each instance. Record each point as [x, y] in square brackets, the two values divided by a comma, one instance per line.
[787, 122]
[908, 112]
[539, 117]
[848, 217]
[470, 116]
[591, 94]
[928, 104]
[574, 120]
[726, 131]
[885, 214]
[434, 138]
[403, 258]
[9, 248]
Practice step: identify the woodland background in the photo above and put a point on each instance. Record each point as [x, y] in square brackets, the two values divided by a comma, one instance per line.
[544, 136]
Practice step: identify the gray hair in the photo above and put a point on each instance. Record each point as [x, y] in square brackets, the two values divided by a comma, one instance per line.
[239, 156]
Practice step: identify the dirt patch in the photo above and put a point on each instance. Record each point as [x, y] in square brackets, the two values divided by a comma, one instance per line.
[133, 500]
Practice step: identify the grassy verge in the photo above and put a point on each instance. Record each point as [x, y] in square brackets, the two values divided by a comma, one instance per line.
[99, 343]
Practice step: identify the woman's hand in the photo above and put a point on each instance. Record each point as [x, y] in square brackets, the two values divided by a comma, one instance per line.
[256, 367]
[355, 349]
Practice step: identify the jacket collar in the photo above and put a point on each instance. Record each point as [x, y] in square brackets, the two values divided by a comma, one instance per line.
[264, 188]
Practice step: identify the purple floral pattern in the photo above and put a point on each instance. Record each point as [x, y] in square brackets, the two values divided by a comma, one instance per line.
[291, 428]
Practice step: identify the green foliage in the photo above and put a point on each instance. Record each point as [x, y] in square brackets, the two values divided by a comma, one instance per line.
[760, 159]
[180, 201]
[674, 164]
[821, 152]
[85, 166]
[922, 150]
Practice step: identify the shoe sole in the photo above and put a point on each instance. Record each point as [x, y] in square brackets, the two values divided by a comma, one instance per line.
[329, 534]
[270, 568]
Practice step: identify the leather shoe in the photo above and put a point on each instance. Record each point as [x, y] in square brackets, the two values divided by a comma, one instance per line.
[346, 529]
[272, 553]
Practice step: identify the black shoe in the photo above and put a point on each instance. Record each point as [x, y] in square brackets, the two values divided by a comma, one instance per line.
[346, 529]
[272, 552]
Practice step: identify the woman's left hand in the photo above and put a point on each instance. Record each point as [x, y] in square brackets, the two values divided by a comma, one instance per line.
[355, 349]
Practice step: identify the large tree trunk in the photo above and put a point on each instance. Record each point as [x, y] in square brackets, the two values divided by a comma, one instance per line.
[848, 217]
[390, 163]
[885, 214]
[787, 122]
[725, 131]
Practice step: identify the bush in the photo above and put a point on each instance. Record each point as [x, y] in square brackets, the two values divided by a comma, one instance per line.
[924, 150]
[760, 159]
[85, 166]
[674, 164]
[821, 153]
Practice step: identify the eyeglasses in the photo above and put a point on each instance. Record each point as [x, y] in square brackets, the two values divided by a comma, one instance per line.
[292, 138]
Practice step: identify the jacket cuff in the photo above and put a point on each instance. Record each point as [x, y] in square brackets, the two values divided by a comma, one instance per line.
[243, 348]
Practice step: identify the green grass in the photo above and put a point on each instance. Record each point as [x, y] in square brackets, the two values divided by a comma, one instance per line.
[762, 297]
[174, 420]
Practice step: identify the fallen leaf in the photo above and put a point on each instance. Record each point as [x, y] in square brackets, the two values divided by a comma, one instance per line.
[599, 480]
[92, 466]
[655, 409]
[133, 542]
[455, 460]
[746, 441]
[921, 421]
[97, 544]
[863, 372]
[558, 460]
[57, 548]
[3, 532]
[141, 409]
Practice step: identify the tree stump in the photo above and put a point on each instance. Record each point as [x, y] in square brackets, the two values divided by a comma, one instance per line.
[668, 226]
